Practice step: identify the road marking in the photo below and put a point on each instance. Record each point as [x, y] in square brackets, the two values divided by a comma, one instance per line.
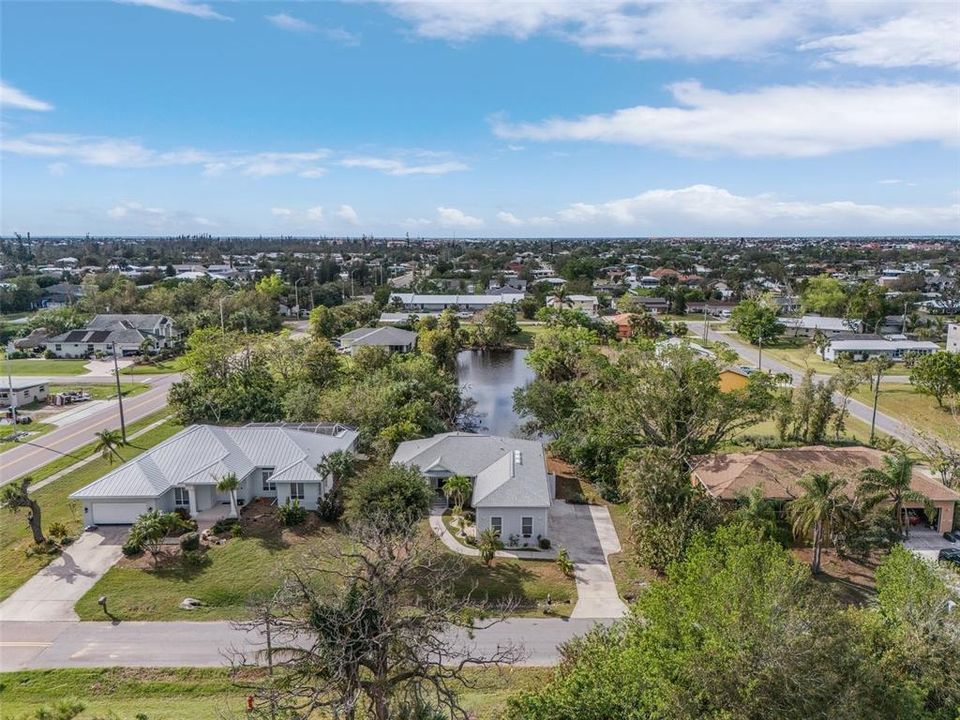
[24, 643]
[21, 458]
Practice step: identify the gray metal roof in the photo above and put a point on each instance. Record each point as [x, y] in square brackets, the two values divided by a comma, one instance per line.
[382, 336]
[883, 345]
[201, 454]
[140, 322]
[507, 472]
[22, 383]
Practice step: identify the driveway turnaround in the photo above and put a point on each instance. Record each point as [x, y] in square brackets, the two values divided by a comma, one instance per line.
[49, 596]
[588, 534]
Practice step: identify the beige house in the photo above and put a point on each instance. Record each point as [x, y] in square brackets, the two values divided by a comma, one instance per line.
[776, 472]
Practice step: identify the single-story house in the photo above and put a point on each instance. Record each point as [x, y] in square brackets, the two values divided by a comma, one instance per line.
[415, 302]
[776, 472]
[809, 325]
[61, 295]
[24, 390]
[126, 332]
[585, 303]
[391, 338]
[512, 489]
[865, 349]
[273, 460]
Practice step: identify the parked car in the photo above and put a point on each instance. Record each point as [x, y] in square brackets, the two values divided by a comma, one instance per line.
[948, 536]
[949, 555]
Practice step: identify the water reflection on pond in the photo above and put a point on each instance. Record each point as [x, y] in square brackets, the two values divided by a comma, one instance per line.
[489, 377]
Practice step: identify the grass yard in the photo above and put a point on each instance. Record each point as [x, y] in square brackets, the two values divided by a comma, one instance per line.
[204, 693]
[160, 368]
[857, 433]
[528, 333]
[799, 353]
[17, 565]
[101, 391]
[249, 567]
[36, 429]
[914, 409]
[39, 366]
[630, 577]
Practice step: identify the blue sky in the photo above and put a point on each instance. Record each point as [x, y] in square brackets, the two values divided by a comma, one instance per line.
[551, 118]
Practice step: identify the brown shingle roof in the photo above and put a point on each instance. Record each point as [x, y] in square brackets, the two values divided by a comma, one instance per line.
[777, 471]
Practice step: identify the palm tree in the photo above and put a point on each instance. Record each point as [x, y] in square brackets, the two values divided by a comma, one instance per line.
[13, 497]
[757, 512]
[561, 297]
[229, 483]
[107, 443]
[340, 466]
[457, 488]
[822, 504]
[892, 483]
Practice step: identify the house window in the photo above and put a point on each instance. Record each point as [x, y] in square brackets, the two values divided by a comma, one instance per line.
[181, 497]
[496, 524]
[526, 526]
[58, 346]
[268, 484]
[296, 491]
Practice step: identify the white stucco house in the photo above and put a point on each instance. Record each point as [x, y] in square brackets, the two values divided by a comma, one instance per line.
[272, 460]
[391, 338]
[512, 489]
[860, 350]
[588, 304]
[20, 391]
[125, 332]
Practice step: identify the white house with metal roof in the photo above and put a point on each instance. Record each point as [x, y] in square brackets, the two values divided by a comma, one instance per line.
[270, 460]
[809, 325]
[415, 302]
[391, 338]
[865, 349]
[512, 490]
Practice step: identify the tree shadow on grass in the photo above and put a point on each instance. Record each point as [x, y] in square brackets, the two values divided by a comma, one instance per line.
[499, 582]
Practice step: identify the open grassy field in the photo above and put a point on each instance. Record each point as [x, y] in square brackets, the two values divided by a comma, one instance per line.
[36, 429]
[39, 366]
[250, 567]
[914, 409]
[16, 563]
[203, 693]
[799, 353]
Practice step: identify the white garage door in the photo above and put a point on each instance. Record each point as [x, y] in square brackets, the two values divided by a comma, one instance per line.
[105, 513]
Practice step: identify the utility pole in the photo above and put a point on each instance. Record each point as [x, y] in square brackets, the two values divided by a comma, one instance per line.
[116, 374]
[222, 330]
[13, 399]
[760, 356]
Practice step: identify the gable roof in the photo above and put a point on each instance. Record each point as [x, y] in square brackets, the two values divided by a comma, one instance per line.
[115, 321]
[507, 472]
[777, 471]
[200, 454]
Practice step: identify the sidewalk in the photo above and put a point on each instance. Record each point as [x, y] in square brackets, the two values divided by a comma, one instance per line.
[440, 530]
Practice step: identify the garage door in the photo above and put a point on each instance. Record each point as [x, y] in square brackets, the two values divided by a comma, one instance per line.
[117, 513]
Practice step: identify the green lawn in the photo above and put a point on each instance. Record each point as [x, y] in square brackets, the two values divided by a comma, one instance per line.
[914, 409]
[799, 353]
[629, 576]
[36, 429]
[250, 567]
[160, 368]
[857, 433]
[39, 366]
[204, 693]
[102, 391]
[17, 565]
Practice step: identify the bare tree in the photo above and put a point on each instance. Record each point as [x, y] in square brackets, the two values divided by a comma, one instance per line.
[376, 628]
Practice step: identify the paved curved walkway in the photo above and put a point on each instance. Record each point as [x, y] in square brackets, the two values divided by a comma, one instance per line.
[440, 530]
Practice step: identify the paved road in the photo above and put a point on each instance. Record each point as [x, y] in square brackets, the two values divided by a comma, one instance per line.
[859, 410]
[26, 645]
[28, 456]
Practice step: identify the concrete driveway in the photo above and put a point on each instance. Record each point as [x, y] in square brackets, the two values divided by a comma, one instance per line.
[588, 534]
[51, 594]
[927, 543]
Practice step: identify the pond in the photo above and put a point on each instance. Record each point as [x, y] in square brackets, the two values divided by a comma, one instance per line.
[489, 377]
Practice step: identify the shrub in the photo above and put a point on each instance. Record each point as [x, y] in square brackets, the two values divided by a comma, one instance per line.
[291, 513]
[392, 493]
[190, 541]
[58, 531]
[544, 543]
[578, 498]
[610, 492]
[331, 508]
[224, 525]
[488, 544]
[132, 547]
[564, 562]
[183, 513]
[48, 355]
[194, 558]
[236, 530]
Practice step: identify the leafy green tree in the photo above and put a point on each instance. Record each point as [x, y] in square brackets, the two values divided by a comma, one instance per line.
[937, 374]
[868, 304]
[57, 320]
[824, 295]
[271, 285]
[756, 511]
[892, 483]
[108, 442]
[397, 496]
[488, 542]
[823, 504]
[16, 495]
[323, 323]
[151, 528]
[756, 321]
[457, 489]
[496, 324]
[645, 325]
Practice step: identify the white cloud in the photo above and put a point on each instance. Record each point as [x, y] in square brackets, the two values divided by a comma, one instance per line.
[348, 215]
[289, 22]
[452, 217]
[341, 35]
[136, 217]
[718, 211]
[644, 28]
[281, 212]
[792, 121]
[315, 213]
[313, 172]
[509, 218]
[391, 166]
[58, 169]
[200, 10]
[890, 181]
[10, 97]
[927, 35]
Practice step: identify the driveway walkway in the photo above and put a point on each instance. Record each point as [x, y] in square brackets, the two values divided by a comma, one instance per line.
[440, 530]
[588, 534]
[51, 594]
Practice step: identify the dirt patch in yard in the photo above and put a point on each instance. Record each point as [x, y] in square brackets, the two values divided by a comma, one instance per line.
[853, 581]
